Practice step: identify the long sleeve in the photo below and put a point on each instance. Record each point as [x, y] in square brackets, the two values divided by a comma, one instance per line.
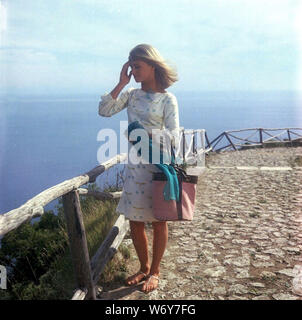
[109, 106]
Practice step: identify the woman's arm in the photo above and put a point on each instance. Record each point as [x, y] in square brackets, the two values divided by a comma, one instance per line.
[110, 103]
[124, 80]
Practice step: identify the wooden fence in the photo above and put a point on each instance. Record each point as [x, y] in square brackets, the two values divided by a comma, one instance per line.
[87, 271]
[257, 137]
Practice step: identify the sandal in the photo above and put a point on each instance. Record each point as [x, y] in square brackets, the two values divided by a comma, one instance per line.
[150, 276]
[136, 275]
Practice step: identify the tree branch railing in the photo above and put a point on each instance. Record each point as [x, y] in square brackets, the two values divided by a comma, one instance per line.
[230, 140]
[87, 271]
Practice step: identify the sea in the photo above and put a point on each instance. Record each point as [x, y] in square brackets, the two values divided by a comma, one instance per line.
[45, 140]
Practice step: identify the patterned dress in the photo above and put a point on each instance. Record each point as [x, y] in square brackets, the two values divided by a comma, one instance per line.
[153, 111]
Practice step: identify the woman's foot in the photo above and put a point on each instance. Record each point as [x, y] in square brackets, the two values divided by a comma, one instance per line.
[151, 283]
[136, 278]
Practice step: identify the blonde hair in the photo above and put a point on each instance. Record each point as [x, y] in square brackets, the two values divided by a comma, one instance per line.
[165, 75]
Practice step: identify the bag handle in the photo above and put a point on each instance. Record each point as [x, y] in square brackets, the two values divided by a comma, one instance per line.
[179, 170]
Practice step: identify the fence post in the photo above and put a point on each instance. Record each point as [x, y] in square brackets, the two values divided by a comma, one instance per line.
[289, 137]
[260, 135]
[3, 277]
[78, 242]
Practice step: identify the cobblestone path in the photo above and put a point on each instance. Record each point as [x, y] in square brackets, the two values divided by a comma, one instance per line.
[245, 241]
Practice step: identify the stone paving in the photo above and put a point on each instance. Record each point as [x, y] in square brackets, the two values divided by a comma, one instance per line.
[245, 241]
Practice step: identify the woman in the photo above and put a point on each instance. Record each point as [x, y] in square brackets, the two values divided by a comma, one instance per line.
[154, 108]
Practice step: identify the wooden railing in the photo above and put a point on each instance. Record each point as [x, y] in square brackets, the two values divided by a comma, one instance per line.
[88, 271]
[257, 137]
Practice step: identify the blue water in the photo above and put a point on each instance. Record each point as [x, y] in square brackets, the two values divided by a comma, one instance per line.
[46, 140]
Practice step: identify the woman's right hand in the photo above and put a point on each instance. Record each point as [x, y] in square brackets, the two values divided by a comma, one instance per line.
[124, 76]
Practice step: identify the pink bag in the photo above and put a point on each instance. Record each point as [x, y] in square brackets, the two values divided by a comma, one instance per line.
[172, 210]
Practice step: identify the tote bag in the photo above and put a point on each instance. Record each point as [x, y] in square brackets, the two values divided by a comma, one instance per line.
[172, 210]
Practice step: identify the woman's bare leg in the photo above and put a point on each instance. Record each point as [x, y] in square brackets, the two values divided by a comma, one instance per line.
[160, 239]
[140, 242]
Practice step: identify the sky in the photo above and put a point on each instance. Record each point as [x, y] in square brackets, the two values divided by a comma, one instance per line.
[79, 46]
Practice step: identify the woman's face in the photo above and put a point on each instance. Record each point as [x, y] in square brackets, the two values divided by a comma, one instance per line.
[142, 71]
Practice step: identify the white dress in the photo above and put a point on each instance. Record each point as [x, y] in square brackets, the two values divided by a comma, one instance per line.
[153, 111]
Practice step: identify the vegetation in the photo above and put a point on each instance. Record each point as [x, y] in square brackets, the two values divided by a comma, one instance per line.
[37, 256]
